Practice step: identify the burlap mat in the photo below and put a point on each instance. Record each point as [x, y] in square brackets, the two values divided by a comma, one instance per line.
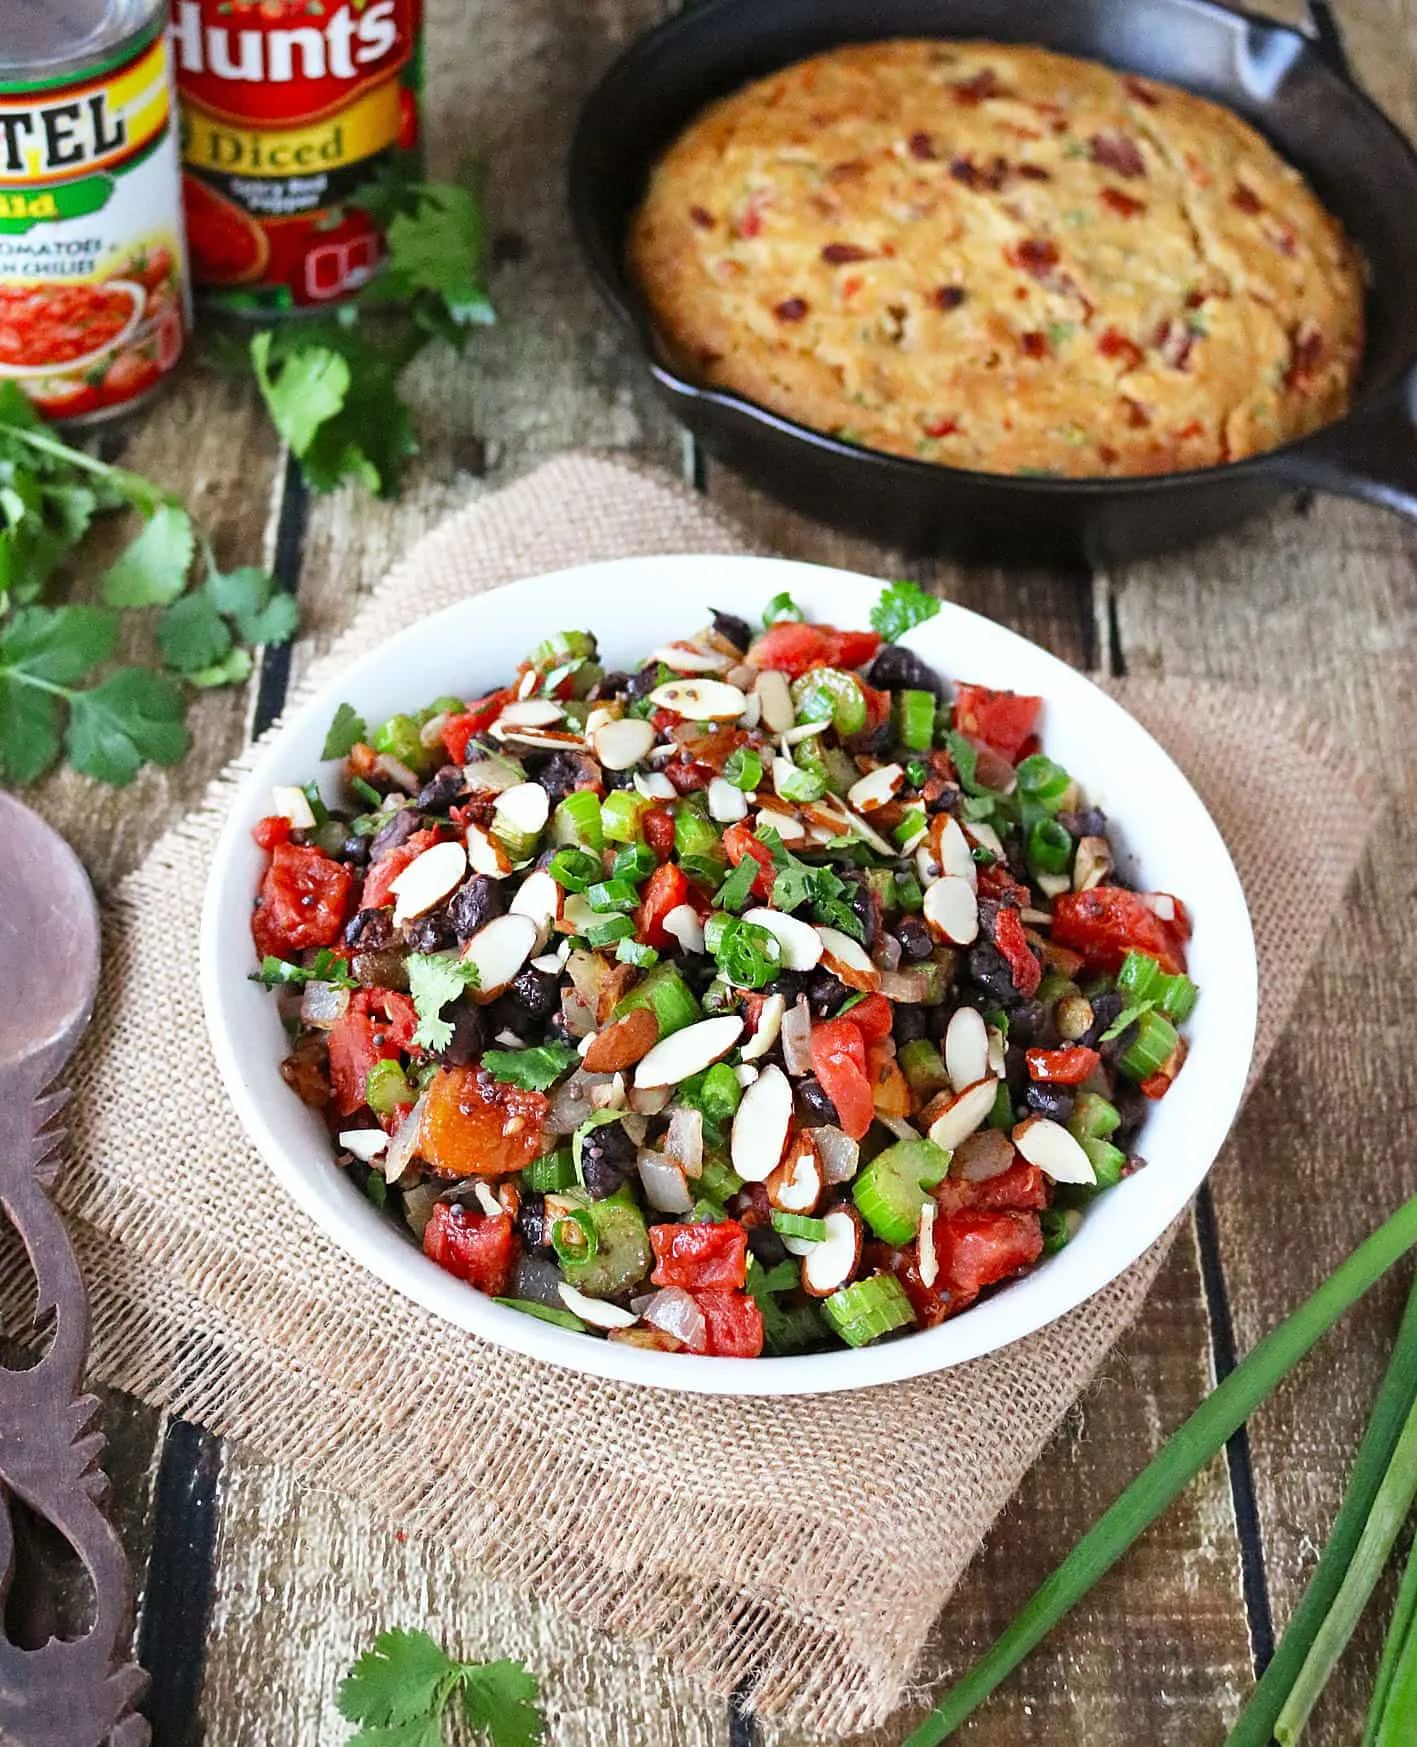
[805, 1545]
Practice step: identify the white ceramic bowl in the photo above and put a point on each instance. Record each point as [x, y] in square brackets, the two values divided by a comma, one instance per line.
[632, 605]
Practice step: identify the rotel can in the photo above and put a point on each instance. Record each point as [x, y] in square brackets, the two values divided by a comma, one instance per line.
[93, 286]
[289, 109]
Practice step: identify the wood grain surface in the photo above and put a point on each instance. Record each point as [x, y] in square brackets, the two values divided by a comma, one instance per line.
[1315, 601]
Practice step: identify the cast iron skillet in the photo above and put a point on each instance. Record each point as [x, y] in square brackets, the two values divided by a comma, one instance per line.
[1295, 88]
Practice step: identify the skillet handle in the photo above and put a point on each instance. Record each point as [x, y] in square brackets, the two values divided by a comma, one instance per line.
[1371, 455]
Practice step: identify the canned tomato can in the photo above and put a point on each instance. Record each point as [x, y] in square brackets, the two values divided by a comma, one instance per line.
[94, 309]
[289, 109]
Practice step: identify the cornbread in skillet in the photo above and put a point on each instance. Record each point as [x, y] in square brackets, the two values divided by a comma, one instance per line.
[1001, 258]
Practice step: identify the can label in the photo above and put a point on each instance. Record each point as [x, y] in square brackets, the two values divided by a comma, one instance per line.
[93, 294]
[289, 108]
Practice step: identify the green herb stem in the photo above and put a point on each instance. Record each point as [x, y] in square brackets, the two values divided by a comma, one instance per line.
[1255, 1727]
[1397, 1672]
[1390, 1508]
[1201, 1438]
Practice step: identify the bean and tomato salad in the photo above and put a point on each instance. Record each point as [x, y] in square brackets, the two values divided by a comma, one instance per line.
[774, 996]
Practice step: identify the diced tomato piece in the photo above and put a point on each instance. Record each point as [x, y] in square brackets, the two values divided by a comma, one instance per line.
[1003, 720]
[1068, 1066]
[878, 707]
[1009, 937]
[477, 1247]
[458, 730]
[378, 1025]
[995, 881]
[839, 1062]
[665, 890]
[1156, 1086]
[476, 1126]
[1020, 1189]
[872, 1018]
[380, 878]
[271, 831]
[305, 901]
[930, 1305]
[735, 1324]
[853, 648]
[974, 1250]
[791, 648]
[890, 1091]
[739, 841]
[1108, 922]
[658, 827]
[698, 1256]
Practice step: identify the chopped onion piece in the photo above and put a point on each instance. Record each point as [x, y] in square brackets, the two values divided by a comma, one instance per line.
[839, 1153]
[665, 1187]
[673, 1311]
[684, 1141]
[796, 1037]
[403, 1148]
[322, 1004]
[910, 986]
[986, 1153]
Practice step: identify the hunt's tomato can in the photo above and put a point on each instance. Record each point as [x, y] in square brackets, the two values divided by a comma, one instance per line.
[289, 109]
[93, 284]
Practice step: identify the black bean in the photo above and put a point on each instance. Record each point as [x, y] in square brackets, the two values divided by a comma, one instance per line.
[1133, 1106]
[825, 993]
[537, 1280]
[814, 1108]
[1089, 822]
[989, 971]
[396, 833]
[370, 930]
[564, 772]
[914, 937]
[536, 993]
[475, 903]
[866, 912]
[438, 794]
[643, 683]
[354, 851]
[788, 984]
[469, 1037]
[1015, 1069]
[895, 668]
[609, 685]
[766, 1245]
[1055, 1102]
[602, 1177]
[619, 779]
[532, 1222]
[431, 933]
[907, 1022]
[738, 631]
[945, 801]
[1105, 1009]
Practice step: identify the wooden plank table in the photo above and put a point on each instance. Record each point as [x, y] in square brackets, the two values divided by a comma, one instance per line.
[257, 1592]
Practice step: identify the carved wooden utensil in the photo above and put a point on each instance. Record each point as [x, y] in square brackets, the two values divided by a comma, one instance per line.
[76, 1692]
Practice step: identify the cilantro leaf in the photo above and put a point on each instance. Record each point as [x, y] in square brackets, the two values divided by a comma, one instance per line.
[235, 669]
[781, 606]
[737, 886]
[902, 606]
[250, 599]
[404, 1677]
[276, 973]
[533, 1070]
[400, 1690]
[1128, 1016]
[311, 388]
[438, 247]
[58, 644]
[153, 570]
[29, 733]
[192, 634]
[435, 980]
[134, 717]
[345, 733]
[500, 1699]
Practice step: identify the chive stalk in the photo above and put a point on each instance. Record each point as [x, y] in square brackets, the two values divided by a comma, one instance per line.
[1201, 1438]
[1255, 1727]
[1397, 1672]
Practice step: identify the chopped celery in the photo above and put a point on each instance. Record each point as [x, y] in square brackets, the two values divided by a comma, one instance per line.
[892, 1189]
[923, 1067]
[386, 1088]
[622, 1255]
[798, 1225]
[577, 821]
[715, 1092]
[609, 932]
[544, 1313]
[635, 862]
[561, 647]
[551, 1171]
[1107, 1160]
[695, 834]
[665, 991]
[1050, 847]
[912, 822]
[608, 895]
[1002, 1115]
[1093, 1118]
[620, 814]
[915, 719]
[398, 738]
[1155, 1043]
[1138, 977]
[828, 694]
[868, 1309]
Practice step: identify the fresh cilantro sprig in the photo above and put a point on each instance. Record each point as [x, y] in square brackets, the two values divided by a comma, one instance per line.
[325, 967]
[533, 1070]
[902, 606]
[58, 695]
[401, 1691]
[435, 981]
[345, 732]
[331, 386]
[796, 883]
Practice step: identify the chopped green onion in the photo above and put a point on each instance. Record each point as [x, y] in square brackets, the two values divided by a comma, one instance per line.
[581, 1246]
[908, 893]
[635, 862]
[737, 885]
[366, 791]
[745, 952]
[544, 1313]
[744, 768]
[798, 1225]
[1050, 847]
[386, 1088]
[620, 815]
[551, 1171]
[577, 820]
[1156, 1042]
[399, 738]
[1002, 1115]
[1043, 781]
[1138, 978]
[915, 722]
[916, 773]
[829, 694]
[800, 785]
[1093, 1118]
[781, 606]
[608, 932]
[912, 822]
[635, 952]
[562, 646]
[696, 835]
[1178, 997]
[612, 895]
[668, 996]
[1201, 1438]
[868, 1309]
[575, 870]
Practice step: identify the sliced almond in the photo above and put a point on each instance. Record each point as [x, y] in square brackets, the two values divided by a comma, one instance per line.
[845, 959]
[485, 855]
[364, 1143]
[692, 660]
[800, 942]
[790, 830]
[828, 1265]
[700, 700]
[830, 811]
[428, 879]
[876, 788]
[761, 1126]
[769, 1025]
[486, 1200]
[984, 834]
[726, 801]
[950, 849]
[774, 697]
[796, 1185]
[655, 787]
[683, 923]
[1053, 885]
[621, 743]
[499, 951]
[543, 739]
[531, 713]
[689, 1051]
[595, 1311]
[963, 1113]
[526, 807]
[927, 1263]
[804, 731]
[966, 1048]
[996, 1052]
[951, 911]
[576, 913]
[1057, 1154]
[540, 898]
[293, 805]
[624, 1043]
[1092, 864]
